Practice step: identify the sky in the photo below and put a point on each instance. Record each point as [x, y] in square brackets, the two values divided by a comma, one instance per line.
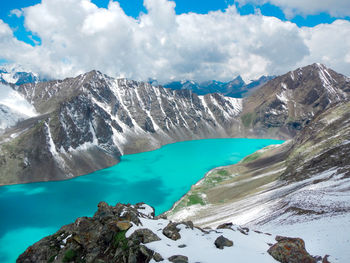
[174, 40]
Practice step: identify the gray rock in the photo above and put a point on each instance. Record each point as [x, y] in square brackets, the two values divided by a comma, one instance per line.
[222, 242]
[144, 236]
[225, 226]
[171, 231]
[178, 259]
[157, 257]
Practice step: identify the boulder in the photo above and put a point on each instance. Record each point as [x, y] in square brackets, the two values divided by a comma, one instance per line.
[290, 250]
[171, 231]
[144, 236]
[222, 242]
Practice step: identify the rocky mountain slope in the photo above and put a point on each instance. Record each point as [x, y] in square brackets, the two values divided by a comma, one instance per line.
[301, 186]
[131, 233]
[86, 123]
[287, 103]
[235, 88]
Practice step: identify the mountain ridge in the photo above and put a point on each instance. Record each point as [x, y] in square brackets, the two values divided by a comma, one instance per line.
[235, 88]
[89, 121]
[105, 117]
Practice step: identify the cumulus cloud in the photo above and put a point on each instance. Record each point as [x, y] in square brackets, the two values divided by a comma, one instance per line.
[338, 8]
[77, 36]
[329, 44]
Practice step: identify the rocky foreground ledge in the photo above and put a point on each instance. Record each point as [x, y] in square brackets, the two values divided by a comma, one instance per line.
[131, 233]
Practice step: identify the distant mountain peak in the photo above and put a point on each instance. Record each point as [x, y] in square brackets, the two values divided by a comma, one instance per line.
[17, 74]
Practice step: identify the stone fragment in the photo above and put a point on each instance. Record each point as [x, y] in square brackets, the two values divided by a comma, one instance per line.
[124, 225]
[178, 259]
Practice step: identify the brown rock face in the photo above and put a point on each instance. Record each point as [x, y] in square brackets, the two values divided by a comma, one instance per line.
[290, 250]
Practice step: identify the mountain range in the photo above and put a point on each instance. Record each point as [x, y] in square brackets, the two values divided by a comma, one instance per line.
[86, 123]
[16, 74]
[236, 88]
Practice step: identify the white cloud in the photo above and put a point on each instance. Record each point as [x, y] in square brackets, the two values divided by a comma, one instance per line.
[15, 101]
[16, 12]
[77, 36]
[336, 8]
[329, 44]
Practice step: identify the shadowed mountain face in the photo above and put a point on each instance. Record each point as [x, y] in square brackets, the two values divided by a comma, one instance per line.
[86, 123]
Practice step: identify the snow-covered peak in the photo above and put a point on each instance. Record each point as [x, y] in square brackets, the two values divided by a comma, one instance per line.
[16, 74]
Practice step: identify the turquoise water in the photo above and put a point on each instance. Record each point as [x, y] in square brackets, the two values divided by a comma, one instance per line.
[31, 211]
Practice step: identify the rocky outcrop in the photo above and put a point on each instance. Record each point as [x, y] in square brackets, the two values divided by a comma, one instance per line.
[97, 239]
[131, 233]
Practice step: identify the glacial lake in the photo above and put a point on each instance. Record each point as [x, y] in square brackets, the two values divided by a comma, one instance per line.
[159, 178]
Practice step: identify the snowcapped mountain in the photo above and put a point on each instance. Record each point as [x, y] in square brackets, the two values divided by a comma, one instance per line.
[15, 74]
[236, 88]
[87, 122]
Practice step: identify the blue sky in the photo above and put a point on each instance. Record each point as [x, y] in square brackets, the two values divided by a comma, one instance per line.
[199, 40]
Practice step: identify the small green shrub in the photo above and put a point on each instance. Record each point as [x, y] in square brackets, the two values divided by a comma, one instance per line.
[223, 172]
[120, 240]
[251, 157]
[195, 199]
[69, 255]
